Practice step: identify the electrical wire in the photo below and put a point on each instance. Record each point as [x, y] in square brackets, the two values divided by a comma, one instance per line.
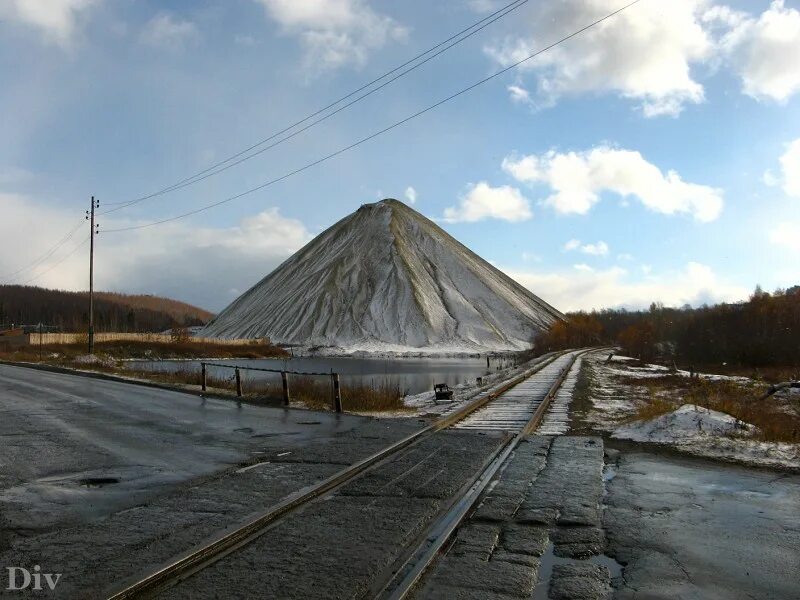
[221, 166]
[63, 258]
[382, 131]
[47, 254]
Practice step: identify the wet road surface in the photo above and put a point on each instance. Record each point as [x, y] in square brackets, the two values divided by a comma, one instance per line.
[190, 467]
[75, 448]
[691, 528]
[179, 459]
[338, 546]
[536, 533]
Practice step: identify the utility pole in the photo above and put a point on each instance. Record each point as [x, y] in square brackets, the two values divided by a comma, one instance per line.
[92, 233]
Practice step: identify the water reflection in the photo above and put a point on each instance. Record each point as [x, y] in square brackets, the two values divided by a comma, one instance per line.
[413, 375]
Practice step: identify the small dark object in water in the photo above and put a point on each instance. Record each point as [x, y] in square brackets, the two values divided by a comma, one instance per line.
[443, 391]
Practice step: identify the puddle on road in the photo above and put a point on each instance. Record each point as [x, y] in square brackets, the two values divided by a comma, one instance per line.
[609, 472]
[550, 560]
[80, 496]
[98, 481]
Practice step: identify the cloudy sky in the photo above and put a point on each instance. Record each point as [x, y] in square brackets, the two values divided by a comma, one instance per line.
[654, 157]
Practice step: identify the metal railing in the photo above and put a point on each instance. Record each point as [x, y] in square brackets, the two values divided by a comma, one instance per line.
[335, 382]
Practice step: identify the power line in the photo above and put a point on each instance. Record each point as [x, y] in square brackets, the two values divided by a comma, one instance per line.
[382, 131]
[221, 166]
[46, 255]
[63, 258]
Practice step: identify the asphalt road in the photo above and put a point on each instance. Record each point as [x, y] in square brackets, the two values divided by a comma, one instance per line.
[60, 433]
[179, 460]
[691, 528]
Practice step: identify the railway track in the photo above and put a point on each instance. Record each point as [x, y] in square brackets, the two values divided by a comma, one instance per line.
[520, 410]
[516, 406]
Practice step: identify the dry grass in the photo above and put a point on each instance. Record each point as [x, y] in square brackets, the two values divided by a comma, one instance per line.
[762, 374]
[582, 399]
[317, 393]
[312, 392]
[65, 353]
[776, 420]
[653, 408]
[374, 397]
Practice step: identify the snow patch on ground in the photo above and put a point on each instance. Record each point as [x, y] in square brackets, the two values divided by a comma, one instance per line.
[711, 434]
[692, 429]
[92, 359]
[688, 422]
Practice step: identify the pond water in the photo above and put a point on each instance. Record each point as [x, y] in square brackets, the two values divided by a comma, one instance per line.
[412, 375]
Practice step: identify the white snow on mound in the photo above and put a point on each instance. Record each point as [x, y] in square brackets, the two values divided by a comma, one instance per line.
[689, 421]
[385, 278]
[708, 433]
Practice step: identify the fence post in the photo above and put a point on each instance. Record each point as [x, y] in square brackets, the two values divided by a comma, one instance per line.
[238, 382]
[337, 394]
[203, 375]
[285, 381]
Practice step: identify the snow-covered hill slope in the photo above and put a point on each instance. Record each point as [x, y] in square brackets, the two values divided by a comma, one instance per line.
[385, 278]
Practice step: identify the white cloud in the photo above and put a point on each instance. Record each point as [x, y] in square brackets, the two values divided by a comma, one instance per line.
[167, 31]
[763, 51]
[519, 95]
[485, 202]
[57, 19]
[233, 257]
[644, 53]
[598, 249]
[789, 176]
[578, 178]
[786, 235]
[583, 289]
[334, 33]
[582, 267]
[790, 169]
[411, 195]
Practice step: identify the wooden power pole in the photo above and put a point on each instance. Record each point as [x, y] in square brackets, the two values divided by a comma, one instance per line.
[90, 218]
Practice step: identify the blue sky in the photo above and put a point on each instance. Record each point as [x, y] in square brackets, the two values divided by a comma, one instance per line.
[654, 158]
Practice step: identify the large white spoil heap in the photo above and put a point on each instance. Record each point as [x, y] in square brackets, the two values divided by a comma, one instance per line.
[385, 278]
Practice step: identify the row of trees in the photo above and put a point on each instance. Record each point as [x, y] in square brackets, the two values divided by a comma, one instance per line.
[69, 311]
[763, 331]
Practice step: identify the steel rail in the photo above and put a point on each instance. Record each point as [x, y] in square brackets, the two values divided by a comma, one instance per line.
[228, 541]
[437, 535]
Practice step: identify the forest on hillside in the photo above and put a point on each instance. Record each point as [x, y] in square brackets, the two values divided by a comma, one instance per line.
[764, 331]
[65, 311]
